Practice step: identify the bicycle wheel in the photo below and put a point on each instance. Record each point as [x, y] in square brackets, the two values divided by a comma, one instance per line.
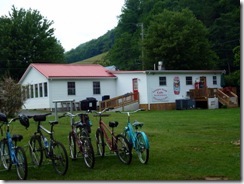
[59, 158]
[72, 146]
[36, 150]
[21, 165]
[123, 150]
[100, 142]
[5, 156]
[87, 148]
[141, 148]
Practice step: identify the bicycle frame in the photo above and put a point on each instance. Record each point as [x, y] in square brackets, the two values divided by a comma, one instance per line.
[132, 135]
[106, 132]
[11, 147]
[40, 128]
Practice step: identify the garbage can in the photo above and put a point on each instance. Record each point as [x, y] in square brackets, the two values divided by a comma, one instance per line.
[105, 97]
[92, 103]
[84, 105]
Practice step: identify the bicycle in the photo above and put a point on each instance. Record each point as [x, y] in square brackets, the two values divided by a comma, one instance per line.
[79, 136]
[116, 143]
[137, 139]
[10, 153]
[39, 144]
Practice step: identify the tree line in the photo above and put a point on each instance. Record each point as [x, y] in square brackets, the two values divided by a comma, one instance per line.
[184, 34]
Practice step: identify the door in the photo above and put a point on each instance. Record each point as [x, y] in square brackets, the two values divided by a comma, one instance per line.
[203, 82]
[135, 88]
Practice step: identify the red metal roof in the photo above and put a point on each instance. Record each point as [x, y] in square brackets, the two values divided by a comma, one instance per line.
[70, 70]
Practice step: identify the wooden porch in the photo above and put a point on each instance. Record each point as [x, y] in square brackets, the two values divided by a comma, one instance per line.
[225, 96]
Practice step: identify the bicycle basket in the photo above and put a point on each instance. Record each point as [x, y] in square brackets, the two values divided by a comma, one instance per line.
[3, 117]
[24, 120]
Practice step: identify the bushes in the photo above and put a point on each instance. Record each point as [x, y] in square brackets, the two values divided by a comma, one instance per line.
[11, 98]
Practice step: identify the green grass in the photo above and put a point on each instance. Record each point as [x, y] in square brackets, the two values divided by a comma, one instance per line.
[93, 60]
[184, 145]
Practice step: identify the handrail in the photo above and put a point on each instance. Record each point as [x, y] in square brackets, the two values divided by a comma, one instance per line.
[119, 101]
[227, 100]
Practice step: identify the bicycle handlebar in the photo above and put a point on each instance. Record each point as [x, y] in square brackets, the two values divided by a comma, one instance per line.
[130, 112]
[100, 113]
[69, 114]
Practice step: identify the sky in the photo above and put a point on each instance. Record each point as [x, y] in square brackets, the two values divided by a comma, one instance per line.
[75, 21]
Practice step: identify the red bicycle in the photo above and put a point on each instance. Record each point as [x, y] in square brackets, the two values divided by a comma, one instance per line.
[79, 138]
[116, 143]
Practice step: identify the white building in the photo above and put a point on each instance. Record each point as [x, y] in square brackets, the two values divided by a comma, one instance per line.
[54, 82]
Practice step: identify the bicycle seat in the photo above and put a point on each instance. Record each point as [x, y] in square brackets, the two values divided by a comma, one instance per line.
[137, 124]
[39, 118]
[78, 124]
[17, 137]
[53, 122]
[113, 124]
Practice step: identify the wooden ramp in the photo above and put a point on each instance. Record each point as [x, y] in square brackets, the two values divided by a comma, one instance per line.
[123, 101]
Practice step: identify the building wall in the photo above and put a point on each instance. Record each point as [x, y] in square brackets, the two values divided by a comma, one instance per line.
[57, 90]
[34, 77]
[124, 85]
[168, 94]
[84, 89]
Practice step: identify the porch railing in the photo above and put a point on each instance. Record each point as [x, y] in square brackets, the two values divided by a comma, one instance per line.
[119, 101]
[229, 99]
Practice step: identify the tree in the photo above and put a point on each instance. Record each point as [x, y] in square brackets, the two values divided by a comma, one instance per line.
[180, 40]
[26, 37]
[233, 79]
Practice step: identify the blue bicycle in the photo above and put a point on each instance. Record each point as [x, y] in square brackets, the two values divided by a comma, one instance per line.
[137, 139]
[10, 153]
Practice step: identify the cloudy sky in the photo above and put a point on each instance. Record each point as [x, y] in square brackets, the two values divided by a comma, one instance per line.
[75, 21]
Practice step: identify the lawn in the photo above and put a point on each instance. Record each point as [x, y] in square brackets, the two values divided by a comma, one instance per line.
[184, 145]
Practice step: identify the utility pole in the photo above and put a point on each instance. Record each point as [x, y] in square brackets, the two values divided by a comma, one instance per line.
[142, 50]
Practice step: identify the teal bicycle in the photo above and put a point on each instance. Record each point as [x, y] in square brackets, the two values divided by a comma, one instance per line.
[137, 139]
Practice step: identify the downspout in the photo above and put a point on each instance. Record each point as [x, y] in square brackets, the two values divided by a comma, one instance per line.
[148, 93]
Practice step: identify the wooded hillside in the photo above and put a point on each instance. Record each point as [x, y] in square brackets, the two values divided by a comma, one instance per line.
[185, 34]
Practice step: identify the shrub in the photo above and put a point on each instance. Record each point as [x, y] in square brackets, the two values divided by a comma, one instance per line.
[11, 99]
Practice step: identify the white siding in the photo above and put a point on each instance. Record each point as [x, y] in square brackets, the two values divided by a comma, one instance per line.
[124, 85]
[84, 89]
[34, 77]
[168, 90]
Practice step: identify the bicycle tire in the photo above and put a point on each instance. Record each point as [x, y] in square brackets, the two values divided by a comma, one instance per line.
[88, 152]
[72, 146]
[123, 150]
[141, 148]
[21, 166]
[59, 158]
[100, 142]
[36, 150]
[127, 136]
[5, 155]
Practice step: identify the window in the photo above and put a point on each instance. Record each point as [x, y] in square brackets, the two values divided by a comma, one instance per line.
[214, 80]
[32, 91]
[36, 90]
[45, 89]
[162, 81]
[40, 90]
[96, 88]
[71, 88]
[188, 80]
